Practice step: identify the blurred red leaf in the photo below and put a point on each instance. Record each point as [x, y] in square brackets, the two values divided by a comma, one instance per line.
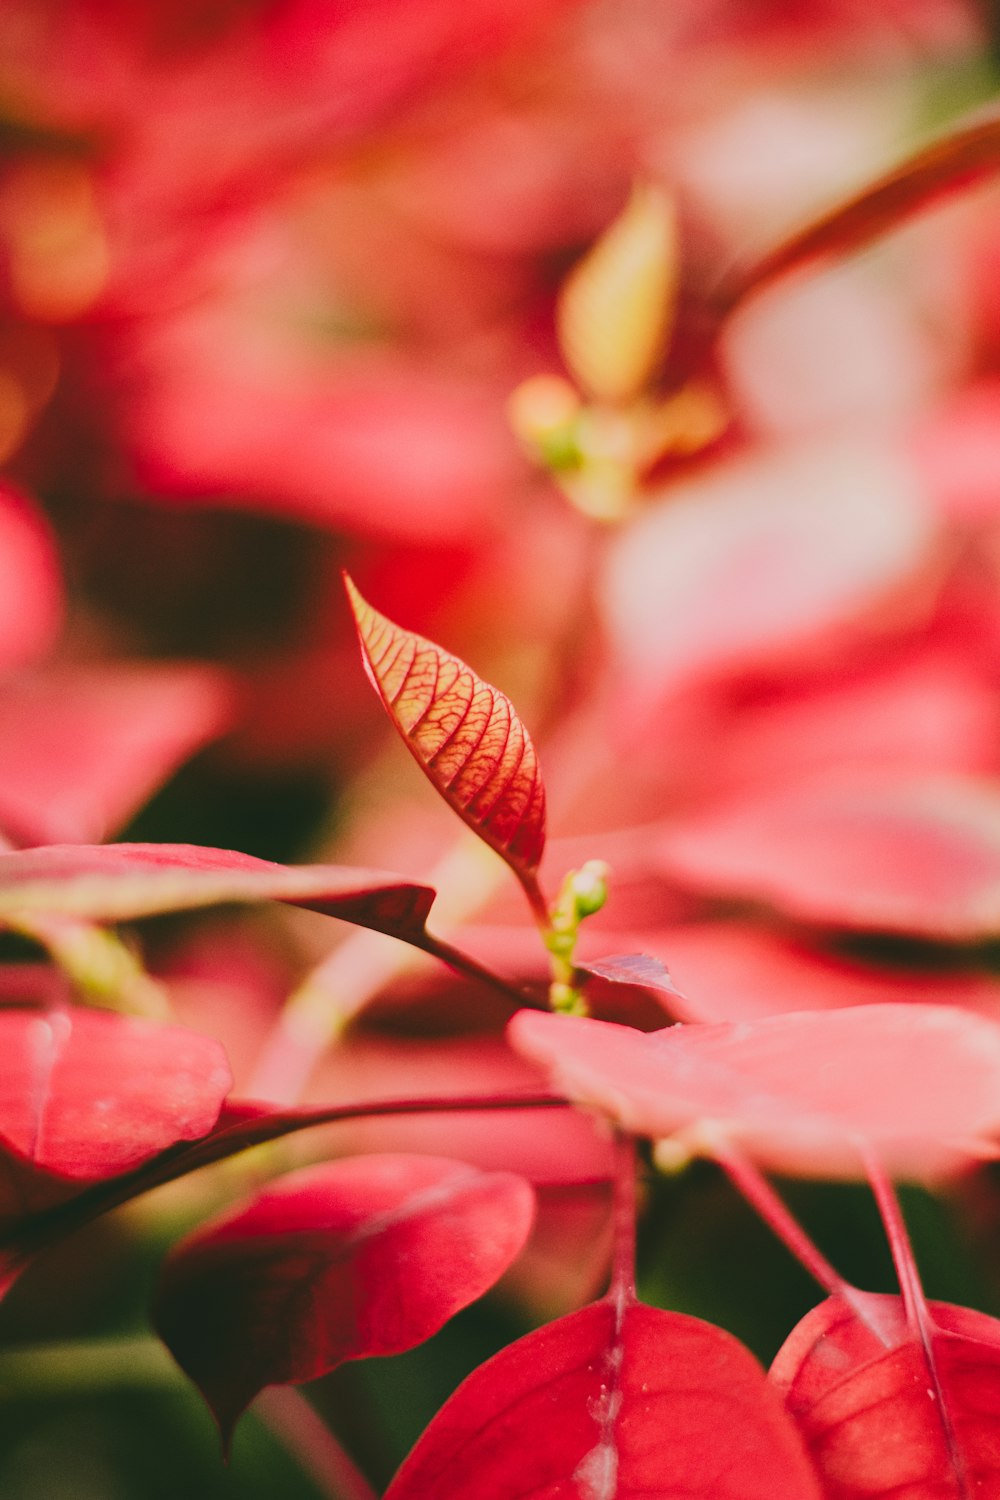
[732, 971]
[353, 1258]
[893, 853]
[919, 1084]
[86, 1095]
[962, 155]
[117, 882]
[639, 1405]
[376, 447]
[464, 734]
[83, 747]
[881, 1414]
[30, 583]
[761, 556]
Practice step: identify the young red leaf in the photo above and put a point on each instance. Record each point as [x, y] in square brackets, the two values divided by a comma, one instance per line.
[920, 1084]
[894, 853]
[370, 1255]
[87, 1095]
[464, 734]
[967, 153]
[884, 1416]
[117, 882]
[601, 1405]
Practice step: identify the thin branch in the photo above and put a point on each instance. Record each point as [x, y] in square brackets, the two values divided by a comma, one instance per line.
[301, 1430]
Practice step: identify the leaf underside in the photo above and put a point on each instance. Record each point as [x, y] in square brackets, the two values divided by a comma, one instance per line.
[465, 735]
[884, 1417]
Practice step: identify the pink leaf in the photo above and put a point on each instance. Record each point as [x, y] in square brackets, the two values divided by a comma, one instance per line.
[359, 1257]
[882, 1415]
[641, 1405]
[118, 882]
[736, 567]
[732, 971]
[915, 854]
[464, 734]
[83, 747]
[919, 1084]
[87, 1094]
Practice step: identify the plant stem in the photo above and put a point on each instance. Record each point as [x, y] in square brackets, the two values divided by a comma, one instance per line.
[301, 1430]
[27, 1238]
[623, 1212]
[891, 1215]
[758, 1192]
[86, 1364]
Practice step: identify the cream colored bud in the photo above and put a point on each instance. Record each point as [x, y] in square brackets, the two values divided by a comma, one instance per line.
[617, 306]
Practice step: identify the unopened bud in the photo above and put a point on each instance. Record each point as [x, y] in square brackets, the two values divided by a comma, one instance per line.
[589, 887]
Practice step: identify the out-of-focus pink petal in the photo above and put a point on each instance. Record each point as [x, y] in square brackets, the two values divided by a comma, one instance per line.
[762, 556]
[30, 582]
[731, 971]
[892, 853]
[83, 747]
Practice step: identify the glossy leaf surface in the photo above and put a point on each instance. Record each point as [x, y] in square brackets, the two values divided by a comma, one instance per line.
[884, 1417]
[648, 1405]
[87, 1094]
[118, 882]
[464, 734]
[894, 853]
[365, 1256]
[919, 1084]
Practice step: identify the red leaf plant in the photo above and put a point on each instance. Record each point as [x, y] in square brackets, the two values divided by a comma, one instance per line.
[872, 1395]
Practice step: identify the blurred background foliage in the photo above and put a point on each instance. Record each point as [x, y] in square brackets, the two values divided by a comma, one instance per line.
[287, 287]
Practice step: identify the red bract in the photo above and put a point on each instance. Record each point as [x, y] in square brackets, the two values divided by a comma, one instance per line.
[761, 556]
[86, 1095]
[902, 853]
[464, 734]
[919, 1084]
[885, 1414]
[118, 882]
[608, 1404]
[353, 1258]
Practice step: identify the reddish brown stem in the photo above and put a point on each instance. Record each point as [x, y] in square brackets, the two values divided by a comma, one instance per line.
[623, 1212]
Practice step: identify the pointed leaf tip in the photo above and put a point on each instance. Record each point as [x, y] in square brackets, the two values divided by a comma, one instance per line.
[465, 735]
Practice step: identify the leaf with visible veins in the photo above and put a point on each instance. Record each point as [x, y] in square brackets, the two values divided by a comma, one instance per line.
[608, 1404]
[884, 1415]
[370, 1255]
[464, 734]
